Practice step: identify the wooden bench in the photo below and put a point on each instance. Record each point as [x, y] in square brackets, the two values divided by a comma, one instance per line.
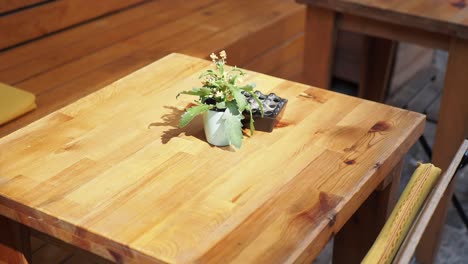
[68, 50]
[25, 20]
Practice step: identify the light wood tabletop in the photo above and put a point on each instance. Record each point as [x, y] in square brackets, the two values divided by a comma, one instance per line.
[113, 174]
[439, 24]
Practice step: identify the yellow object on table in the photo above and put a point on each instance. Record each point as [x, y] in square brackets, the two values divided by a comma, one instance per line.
[406, 210]
[14, 102]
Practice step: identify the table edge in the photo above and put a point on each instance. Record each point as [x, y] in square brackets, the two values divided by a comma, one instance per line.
[391, 16]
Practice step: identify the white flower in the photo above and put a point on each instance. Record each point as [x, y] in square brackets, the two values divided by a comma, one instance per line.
[219, 94]
[223, 54]
[213, 57]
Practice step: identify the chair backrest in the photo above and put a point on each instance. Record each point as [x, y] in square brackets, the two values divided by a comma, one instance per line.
[402, 232]
[408, 247]
[395, 229]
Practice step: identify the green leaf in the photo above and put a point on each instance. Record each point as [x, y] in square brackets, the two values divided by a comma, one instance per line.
[208, 72]
[233, 128]
[252, 127]
[221, 105]
[239, 97]
[232, 106]
[217, 83]
[196, 91]
[248, 87]
[260, 105]
[233, 79]
[193, 112]
[235, 69]
[221, 68]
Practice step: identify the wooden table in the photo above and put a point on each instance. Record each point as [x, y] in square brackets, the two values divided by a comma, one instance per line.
[441, 24]
[112, 174]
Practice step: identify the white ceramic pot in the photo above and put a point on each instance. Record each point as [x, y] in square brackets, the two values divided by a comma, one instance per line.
[214, 128]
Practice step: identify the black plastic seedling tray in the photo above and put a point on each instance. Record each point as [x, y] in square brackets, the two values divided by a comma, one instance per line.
[273, 107]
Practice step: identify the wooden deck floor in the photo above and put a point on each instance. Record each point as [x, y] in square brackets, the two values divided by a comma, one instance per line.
[421, 94]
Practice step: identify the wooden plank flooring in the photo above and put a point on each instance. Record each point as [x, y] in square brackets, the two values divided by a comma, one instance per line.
[422, 93]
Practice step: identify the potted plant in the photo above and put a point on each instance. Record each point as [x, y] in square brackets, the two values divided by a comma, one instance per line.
[222, 102]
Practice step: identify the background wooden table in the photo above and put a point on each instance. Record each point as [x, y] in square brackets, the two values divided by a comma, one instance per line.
[436, 24]
[112, 173]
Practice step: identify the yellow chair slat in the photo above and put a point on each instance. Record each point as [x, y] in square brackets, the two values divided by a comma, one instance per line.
[395, 229]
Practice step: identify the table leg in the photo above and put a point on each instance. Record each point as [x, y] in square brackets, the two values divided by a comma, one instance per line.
[452, 128]
[357, 236]
[15, 245]
[376, 68]
[320, 37]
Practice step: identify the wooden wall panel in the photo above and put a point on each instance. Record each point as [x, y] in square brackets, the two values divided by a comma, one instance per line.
[38, 21]
[11, 5]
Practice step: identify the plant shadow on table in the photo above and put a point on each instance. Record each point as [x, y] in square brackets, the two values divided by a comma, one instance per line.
[171, 120]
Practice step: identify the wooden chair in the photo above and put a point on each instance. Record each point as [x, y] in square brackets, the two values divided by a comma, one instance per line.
[401, 234]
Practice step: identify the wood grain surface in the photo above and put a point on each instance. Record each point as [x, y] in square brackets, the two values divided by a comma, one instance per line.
[318, 55]
[376, 68]
[444, 16]
[393, 31]
[113, 174]
[12, 5]
[439, 24]
[53, 16]
[63, 67]
[367, 222]
[407, 249]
